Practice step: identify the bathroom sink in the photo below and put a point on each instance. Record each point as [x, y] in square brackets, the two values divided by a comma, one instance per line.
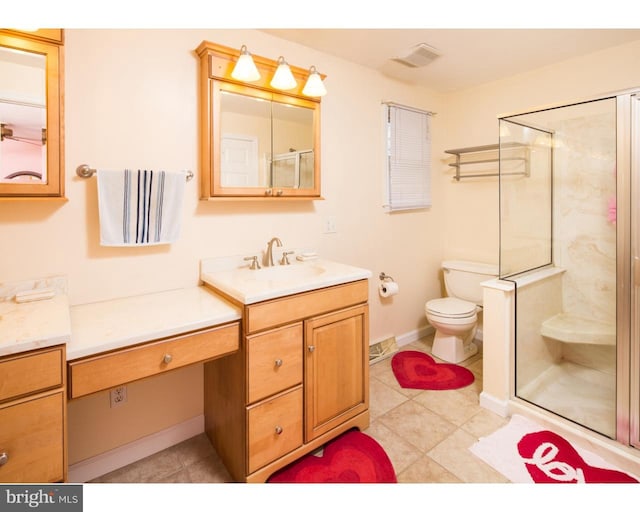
[234, 278]
[285, 273]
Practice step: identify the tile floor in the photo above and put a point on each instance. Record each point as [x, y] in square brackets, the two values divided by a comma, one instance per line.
[425, 433]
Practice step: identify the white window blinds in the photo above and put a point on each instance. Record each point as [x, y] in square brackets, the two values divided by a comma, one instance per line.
[408, 173]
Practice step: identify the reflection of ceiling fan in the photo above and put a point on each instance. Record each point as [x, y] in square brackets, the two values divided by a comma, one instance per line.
[7, 133]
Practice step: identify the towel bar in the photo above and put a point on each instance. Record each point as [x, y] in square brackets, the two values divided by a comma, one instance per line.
[84, 171]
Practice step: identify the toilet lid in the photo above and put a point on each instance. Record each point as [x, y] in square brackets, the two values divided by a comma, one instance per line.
[451, 307]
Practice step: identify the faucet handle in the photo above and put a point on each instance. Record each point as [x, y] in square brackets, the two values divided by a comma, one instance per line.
[254, 262]
[285, 258]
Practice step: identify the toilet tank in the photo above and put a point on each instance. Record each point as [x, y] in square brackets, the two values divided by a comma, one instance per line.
[462, 278]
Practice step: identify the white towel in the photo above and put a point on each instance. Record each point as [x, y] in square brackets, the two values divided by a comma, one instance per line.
[140, 207]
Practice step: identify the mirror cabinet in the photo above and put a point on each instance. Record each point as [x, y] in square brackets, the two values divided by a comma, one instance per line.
[256, 141]
[31, 109]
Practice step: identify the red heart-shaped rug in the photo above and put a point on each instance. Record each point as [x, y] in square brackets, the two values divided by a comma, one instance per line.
[418, 370]
[352, 457]
[549, 458]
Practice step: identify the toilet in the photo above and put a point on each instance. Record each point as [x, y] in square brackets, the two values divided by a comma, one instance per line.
[455, 317]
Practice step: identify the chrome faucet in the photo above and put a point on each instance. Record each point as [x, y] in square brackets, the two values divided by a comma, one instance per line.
[269, 254]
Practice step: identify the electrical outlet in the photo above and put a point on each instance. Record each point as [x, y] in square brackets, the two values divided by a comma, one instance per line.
[330, 225]
[118, 396]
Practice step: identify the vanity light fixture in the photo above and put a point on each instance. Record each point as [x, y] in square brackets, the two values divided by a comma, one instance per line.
[283, 77]
[314, 85]
[245, 69]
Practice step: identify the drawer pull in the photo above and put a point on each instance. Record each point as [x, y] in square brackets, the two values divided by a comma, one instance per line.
[167, 358]
[312, 348]
[278, 363]
[278, 429]
[4, 458]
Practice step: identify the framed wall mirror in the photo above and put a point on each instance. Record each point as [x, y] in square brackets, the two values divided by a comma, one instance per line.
[31, 147]
[256, 141]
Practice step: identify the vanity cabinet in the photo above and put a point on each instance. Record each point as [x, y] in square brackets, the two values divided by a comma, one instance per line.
[33, 416]
[301, 377]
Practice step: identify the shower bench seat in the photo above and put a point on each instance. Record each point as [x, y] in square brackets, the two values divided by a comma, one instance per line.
[570, 328]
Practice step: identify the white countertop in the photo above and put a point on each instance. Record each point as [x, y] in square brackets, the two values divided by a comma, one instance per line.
[113, 324]
[251, 286]
[33, 325]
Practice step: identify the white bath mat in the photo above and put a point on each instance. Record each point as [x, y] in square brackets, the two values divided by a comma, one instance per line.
[526, 452]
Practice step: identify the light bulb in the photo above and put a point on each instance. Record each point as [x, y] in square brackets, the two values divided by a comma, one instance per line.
[245, 69]
[283, 78]
[314, 85]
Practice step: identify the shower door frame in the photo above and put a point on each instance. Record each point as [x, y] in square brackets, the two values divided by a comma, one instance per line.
[628, 418]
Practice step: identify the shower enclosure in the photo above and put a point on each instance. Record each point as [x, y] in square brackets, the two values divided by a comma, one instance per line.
[569, 243]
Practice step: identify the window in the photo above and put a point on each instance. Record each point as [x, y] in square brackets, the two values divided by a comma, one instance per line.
[408, 168]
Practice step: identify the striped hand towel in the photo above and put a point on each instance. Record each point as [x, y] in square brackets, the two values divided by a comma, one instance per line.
[139, 208]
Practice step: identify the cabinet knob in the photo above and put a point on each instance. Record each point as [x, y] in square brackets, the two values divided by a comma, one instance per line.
[167, 358]
[4, 458]
[278, 363]
[311, 348]
[268, 192]
[278, 429]
[279, 192]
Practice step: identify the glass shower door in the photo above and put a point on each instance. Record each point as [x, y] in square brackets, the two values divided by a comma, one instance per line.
[558, 245]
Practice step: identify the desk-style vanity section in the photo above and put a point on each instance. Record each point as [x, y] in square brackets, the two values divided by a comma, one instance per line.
[301, 376]
[123, 340]
[51, 353]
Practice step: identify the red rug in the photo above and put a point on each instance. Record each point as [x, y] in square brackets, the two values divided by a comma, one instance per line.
[417, 370]
[549, 458]
[352, 457]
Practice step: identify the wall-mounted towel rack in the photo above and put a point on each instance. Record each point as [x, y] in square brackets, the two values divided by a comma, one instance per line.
[460, 153]
[84, 171]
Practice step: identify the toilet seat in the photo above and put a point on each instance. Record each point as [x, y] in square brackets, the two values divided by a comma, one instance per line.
[451, 307]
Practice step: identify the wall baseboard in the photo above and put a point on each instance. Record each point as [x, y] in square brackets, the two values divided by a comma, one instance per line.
[121, 456]
[490, 402]
[415, 335]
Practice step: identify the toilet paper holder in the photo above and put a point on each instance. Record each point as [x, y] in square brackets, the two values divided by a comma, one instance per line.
[385, 277]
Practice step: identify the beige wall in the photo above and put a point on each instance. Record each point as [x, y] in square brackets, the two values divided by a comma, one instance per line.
[131, 101]
[472, 119]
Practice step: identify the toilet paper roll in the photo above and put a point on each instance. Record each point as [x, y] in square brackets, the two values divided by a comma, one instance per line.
[388, 289]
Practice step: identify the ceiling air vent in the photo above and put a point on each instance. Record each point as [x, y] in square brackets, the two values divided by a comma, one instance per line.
[420, 55]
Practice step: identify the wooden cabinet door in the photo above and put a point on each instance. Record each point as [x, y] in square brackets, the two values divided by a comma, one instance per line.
[336, 369]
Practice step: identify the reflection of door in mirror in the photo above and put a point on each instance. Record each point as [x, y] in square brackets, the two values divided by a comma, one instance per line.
[23, 118]
[245, 135]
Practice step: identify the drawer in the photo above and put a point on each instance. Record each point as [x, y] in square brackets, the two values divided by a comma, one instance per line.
[275, 362]
[31, 436]
[115, 368]
[31, 372]
[273, 313]
[275, 428]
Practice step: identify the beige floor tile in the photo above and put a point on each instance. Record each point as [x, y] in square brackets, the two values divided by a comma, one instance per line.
[208, 470]
[483, 423]
[418, 425]
[193, 450]
[382, 398]
[452, 405]
[401, 453]
[150, 469]
[454, 455]
[426, 470]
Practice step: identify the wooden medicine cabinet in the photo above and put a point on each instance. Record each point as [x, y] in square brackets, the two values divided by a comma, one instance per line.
[31, 108]
[256, 141]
